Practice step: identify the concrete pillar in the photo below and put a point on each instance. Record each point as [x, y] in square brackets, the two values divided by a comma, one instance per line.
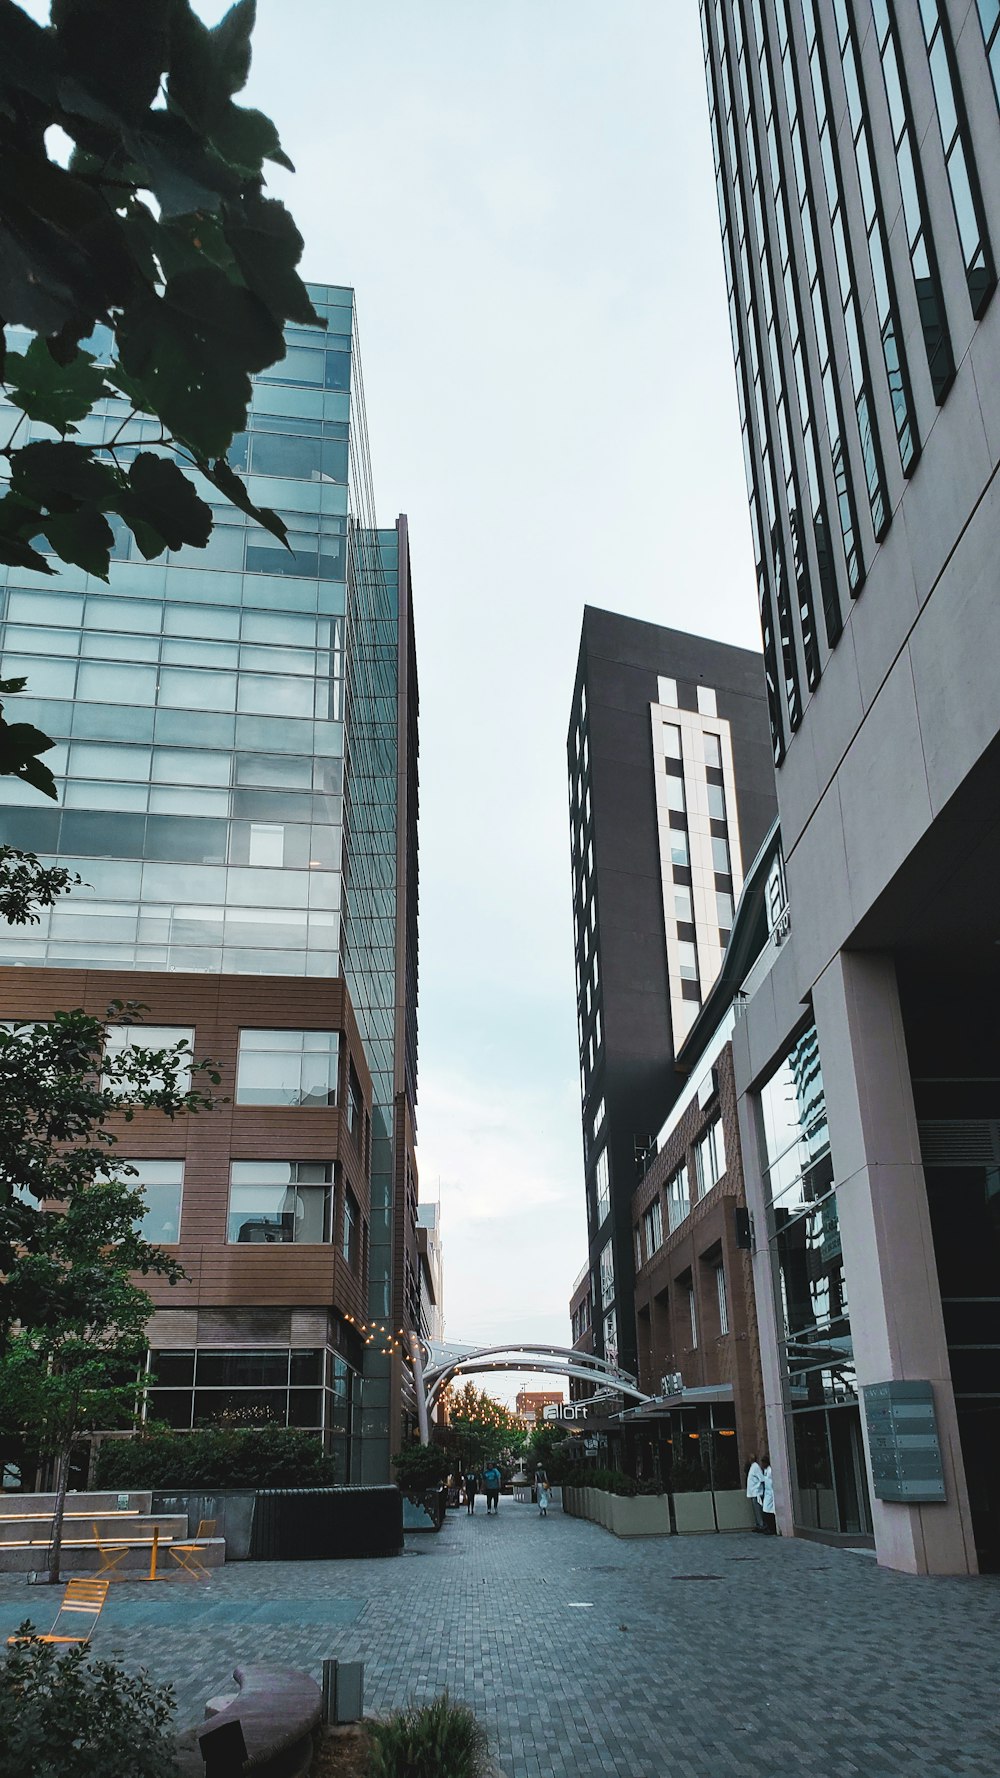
[892, 1287]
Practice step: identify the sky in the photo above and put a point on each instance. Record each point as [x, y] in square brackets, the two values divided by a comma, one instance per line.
[521, 193]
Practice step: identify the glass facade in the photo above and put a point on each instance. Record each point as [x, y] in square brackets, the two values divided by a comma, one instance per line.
[831, 1489]
[197, 702]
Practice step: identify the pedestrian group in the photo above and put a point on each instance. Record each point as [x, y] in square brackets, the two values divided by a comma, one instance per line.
[760, 1492]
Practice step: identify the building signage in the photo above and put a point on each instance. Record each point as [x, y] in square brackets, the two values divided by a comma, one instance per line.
[903, 1442]
[566, 1410]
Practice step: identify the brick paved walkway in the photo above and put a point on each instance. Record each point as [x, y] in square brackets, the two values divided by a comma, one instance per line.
[587, 1655]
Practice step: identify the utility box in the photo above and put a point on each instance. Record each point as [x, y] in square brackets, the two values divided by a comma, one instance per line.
[903, 1442]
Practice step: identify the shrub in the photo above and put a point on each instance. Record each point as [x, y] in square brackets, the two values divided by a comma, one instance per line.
[216, 1457]
[63, 1715]
[437, 1740]
[609, 1481]
[420, 1468]
[649, 1486]
[687, 1477]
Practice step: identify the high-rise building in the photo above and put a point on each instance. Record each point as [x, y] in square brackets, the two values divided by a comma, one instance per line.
[236, 760]
[857, 151]
[431, 1272]
[671, 792]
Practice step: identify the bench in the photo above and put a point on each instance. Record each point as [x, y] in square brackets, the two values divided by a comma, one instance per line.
[277, 1709]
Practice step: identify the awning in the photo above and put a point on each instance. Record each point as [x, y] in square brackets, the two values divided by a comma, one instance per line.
[683, 1398]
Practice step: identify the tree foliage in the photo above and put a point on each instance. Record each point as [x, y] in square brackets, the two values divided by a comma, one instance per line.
[216, 1457]
[159, 233]
[65, 1715]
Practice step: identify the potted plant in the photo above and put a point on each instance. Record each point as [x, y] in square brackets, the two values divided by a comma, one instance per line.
[641, 1511]
[421, 1471]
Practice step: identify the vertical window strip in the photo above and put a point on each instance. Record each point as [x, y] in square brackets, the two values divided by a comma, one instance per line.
[920, 240]
[843, 483]
[768, 284]
[959, 158]
[989, 18]
[763, 589]
[886, 306]
[790, 281]
[864, 406]
[782, 603]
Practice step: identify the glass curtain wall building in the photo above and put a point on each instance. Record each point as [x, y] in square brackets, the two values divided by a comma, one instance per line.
[204, 754]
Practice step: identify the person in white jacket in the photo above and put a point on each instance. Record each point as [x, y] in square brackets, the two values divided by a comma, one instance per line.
[755, 1492]
[767, 1498]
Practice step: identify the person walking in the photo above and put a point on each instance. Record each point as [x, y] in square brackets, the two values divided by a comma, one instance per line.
[767, 1498]
[471, 1483]
[543, 1493]
[755, 1492]
[491, 1483]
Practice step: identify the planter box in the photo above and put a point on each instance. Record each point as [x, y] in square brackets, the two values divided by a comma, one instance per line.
[733, 1511]
[588, 1497]
[604, 1509]
[646, 1515]
[694, 1512]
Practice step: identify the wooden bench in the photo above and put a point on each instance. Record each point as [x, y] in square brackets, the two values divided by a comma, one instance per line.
[277, 1710]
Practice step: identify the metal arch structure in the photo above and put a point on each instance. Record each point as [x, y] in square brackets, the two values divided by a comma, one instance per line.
[434, 1367]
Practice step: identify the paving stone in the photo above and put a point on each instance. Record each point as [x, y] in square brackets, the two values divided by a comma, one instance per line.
[800, 1662]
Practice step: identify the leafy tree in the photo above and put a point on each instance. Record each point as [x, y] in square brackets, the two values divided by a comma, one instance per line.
[65, 1715]
[155, 245]
[216, 1457]
[420, 1468]
[486, 1427]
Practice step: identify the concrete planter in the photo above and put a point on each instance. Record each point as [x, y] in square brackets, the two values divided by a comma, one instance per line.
[694, 1512]
[588, 1496]
[604, 1508]
[645, 1515]
[733, 1511]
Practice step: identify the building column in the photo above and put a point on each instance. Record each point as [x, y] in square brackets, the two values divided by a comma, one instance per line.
[892, 1285]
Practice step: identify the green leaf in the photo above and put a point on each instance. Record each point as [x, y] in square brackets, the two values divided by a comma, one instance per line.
[117, 50]
[208, 67]
[191, 352]
[161, 497]
[84, 538]
[20, 744]
[64, 261]
[61, 477]
[177, 165]
[268, 248]
[231, 42]
[54, 393]
[16, 553]
[246, 139]
[229, 483]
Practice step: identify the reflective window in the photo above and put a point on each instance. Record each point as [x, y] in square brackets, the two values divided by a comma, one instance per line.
[671, 740]
[712, 746]
[710, 1158]
[607, 1276]
[350, 1231]
[683, 909]
[674, 796]
[287, 1068]
[716, 802]
[723, 1300]
[162, 1183]
[177, 1039]
[678, 1198]
[963, 176]
[652, 1228]
[279, 1201]
[721, 862]
[602, 1186]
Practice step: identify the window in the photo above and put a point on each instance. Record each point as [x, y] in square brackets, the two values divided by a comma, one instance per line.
[693, 1313]
[349, 1241]
[712, 750]
[721, 863]
[683, 909]
[157, 1038]
[989, 18]
[671, 740]
[710, 1158]
[678, 1200]
[679, 847]
[607, 1276]
[287, 1068]
[716, 802]
[355, 1103]
[963, 176]
[598, 1120]
[637, 1234]
[666, 690]
[720, 1285]
[652, 1227]
[724, 908]
[688, 961]
[161, 1183]
[706, 701]
[279, 1201]
[611, 1337]
[675, 794]
[603, 1186]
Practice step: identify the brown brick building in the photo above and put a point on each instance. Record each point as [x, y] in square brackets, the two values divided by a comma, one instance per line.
[695, 1312]
[265, 1200]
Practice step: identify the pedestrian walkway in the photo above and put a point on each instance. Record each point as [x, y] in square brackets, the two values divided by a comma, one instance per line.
[694, 1657]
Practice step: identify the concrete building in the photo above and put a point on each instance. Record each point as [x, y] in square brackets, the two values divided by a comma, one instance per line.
[581, 1317]
[236, 761]
[431, 1271]
[858, 160]
[671, 790]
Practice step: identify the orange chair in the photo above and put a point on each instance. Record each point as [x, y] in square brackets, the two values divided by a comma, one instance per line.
[82, 1601]
[188, 1555]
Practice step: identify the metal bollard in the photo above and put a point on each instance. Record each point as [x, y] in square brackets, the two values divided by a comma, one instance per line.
[343, 1691]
